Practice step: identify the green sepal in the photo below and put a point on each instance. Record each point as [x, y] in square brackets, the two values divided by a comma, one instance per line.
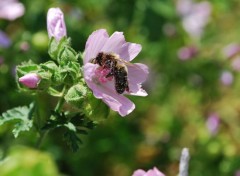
[23, 69]
[95, 109]
[76, 95]
[45, 80]
[26, 67]
[70, 73]
[66, 54]
[55, 46]
[49, 66]
[54, 92]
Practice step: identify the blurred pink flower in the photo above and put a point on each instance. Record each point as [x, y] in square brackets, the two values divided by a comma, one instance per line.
[95, 75]
[187, 52]
[231, 50]
[237, 173]
[56, 24]
[226, 78]
[151, 172]
[30, 80]
[195, 16]
[11, 9]
[5, 42]
[213, 123]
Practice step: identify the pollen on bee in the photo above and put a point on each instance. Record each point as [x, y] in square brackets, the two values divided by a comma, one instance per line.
[101, 74]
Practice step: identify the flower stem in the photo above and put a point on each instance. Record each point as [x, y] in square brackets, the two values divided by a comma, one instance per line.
[61, 100]
[57, 109]
[183, 166]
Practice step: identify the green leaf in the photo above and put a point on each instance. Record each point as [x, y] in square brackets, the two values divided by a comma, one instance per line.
[22, 116]
[72, 140]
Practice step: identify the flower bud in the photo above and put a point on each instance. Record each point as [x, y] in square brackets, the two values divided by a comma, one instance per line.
[55, 23]
[30, 80]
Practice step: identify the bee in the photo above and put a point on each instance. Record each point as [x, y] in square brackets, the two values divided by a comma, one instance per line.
[117, 67]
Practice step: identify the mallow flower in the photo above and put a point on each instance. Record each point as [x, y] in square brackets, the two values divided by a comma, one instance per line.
[99, 78]
[30, 80]
[55, 23]
[151, 172]
[11, 9]
[195, 16]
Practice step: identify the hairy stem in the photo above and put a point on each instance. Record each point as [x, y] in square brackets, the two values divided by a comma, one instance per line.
[57, 108]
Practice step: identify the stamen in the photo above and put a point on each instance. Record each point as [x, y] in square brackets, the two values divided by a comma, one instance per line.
[101, 74]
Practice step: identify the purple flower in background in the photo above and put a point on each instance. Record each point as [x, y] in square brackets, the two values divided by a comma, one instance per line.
[99, 78]
[213, 123]
[195, 16]
[5, 42]
[226, 78]
[231, 50]
[186, 53]
[56, 24]
[30, 80]
[11, 9]
[151, 172]
[237, 173]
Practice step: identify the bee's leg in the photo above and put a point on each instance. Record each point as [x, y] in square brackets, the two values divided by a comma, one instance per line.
[111, 73]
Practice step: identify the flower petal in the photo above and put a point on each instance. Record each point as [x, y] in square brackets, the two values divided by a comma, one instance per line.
[129, 51]
[154, 172]
[139, 172]
[137, 74]
[107, 92]
[11, 10]
[94, 44]
[114, 43]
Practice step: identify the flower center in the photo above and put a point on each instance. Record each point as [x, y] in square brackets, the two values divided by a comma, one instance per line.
[101, 75]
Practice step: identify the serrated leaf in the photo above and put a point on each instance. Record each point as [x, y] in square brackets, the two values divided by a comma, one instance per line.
[81, 131]
[21, 116]
[72, 140]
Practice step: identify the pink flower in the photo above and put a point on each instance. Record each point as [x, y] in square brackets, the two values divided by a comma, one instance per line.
[195, 16]
[231, 50]
[30, 80]
[212, 123]
[226, 78]
[97, 77]
[55, 23]
[151, 172]
[11, 9]
[187, 52]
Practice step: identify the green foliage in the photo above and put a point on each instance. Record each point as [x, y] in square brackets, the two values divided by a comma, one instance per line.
[76, 95]
[181, 94]
[20, 116]
[28, 162]
[73, 125]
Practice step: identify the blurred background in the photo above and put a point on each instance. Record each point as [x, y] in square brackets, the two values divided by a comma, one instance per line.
[192, 49]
